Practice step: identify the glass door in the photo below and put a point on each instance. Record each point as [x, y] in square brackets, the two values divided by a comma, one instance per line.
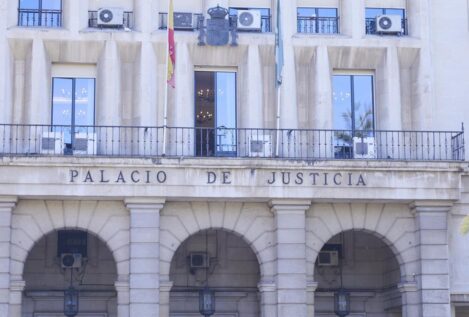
[215, 113]
[73, 108]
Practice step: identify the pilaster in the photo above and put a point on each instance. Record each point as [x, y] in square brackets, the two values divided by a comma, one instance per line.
[123, 297]
[290, 221]
[433, 279]
[10, 302]
[144, 256]
[268, 298]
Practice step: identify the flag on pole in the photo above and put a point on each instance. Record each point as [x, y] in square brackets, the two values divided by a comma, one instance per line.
[171, 46]
[278, 47]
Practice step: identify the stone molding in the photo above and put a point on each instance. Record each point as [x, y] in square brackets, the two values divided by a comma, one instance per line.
[404, 287]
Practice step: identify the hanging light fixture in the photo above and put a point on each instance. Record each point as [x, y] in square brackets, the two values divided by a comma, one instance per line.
[341, 297]
[70, 302]
[206, 295]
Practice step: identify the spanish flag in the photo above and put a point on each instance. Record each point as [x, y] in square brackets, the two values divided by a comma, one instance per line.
[171, 46]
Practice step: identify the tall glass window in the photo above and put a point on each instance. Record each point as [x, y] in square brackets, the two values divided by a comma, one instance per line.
[353, 110]
[46, 13]
[215, 113]
[73, 107]
[317, 20]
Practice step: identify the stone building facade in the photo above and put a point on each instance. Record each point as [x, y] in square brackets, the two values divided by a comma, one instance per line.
[357, 182]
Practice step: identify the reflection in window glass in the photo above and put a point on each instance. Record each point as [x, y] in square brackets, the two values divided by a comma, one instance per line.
[317, 20]
[372, 13]
[41, 4]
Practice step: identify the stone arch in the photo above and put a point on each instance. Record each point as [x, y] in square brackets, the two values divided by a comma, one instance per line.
[253, 222]
[34, 219]
[393, 224]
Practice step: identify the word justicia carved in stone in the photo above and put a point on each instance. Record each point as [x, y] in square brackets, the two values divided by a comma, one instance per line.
[317, 179]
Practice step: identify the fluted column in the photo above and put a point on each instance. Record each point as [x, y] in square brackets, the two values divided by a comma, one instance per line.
[252, 109]
[390, 108]
[290, 221]
[38, 90]
[7, 204]
[352, 18]
[145, 15]
[144, 256]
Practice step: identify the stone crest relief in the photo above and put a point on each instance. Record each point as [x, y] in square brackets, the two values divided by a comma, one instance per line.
[217, 29]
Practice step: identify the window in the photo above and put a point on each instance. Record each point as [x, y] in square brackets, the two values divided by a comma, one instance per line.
[73, 110]
[353, 111]
[372, 13]
[317, 20]
[265, 17]
[215, 113]
[47, 13]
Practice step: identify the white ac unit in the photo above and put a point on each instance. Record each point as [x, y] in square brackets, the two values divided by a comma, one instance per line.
[70, 260]
[52, 143]
[199, 260]
[260, 145]
[112, 17]
[364, 147]
[185, 21]
[389, 23]
[85, 144]
[328, 258]
[249, 20]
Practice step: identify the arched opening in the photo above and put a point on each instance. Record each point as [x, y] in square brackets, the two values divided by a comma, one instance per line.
[226, 264]
[366, 268]
[67, 258]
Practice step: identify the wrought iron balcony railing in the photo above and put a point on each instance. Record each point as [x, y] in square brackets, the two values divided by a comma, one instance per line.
[127, 23]
[138, 141]
[318, 25]
[370, 26]
[44, 18]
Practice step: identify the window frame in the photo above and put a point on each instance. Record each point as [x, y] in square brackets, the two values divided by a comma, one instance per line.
[40, 11]
[316, 19]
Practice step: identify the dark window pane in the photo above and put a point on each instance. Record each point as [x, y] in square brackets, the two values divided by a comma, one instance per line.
[342, 100]
[363, 102]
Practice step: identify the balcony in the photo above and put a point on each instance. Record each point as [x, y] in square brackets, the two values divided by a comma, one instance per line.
[145, 142]
[370, 26]
[40, 18]
[128, 22]
[318, 25]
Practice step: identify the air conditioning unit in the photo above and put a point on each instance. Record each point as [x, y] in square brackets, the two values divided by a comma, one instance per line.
[249, 20]
[185, 21]
[260, 145]
[70, 260]
[199, 260]
[389, 24]
[52, 143]
[110, 17]
[328, 258]
[85, 144]
[364, 147]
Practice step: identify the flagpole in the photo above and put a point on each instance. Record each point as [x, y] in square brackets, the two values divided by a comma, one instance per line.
[278, 121]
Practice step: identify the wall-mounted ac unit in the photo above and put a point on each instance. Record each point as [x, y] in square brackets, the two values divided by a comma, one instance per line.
[260, 145]
[85, 144]
[249, 20]
[389, 24]
[185, 21]
[70, 260]
[364, 147]
[52, 143]
[199, 260]
[110, 17]
[328, 258]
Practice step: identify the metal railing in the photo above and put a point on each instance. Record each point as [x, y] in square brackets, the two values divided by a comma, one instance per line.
[370, 26]
[44, 18]
[318, 25]
[127, 23]
[136, 141]
[163, 22]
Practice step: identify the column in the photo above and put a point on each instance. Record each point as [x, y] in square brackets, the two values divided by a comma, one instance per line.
[323, 109]
[123, 296]
[352, 18]
[109, 102]
[145, 114]
[165, 289]
[311, 287]
[268, 298]
[433, 279]
[290, 221]
[390, 108]
[410, 298]
[144, 15]
[7, 204]
[252, 112]
[144, 255]
[37, 110]
[289, 139]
